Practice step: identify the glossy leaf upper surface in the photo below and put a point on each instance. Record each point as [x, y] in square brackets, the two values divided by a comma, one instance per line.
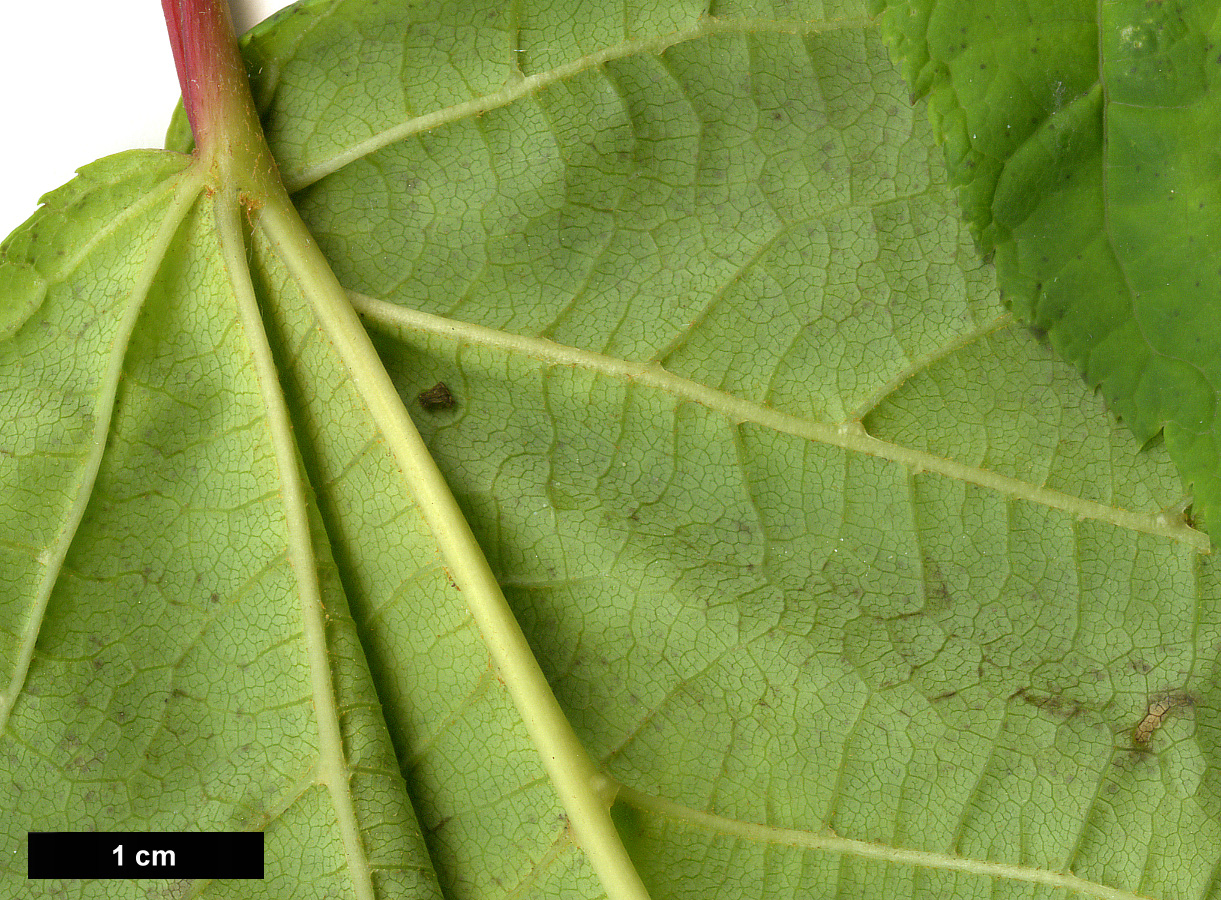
[1083, 137]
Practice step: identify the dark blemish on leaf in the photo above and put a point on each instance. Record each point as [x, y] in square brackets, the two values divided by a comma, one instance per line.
[1152, 721]
[436, 398]
[1056, 705]
[214, 597]
[1159, 708]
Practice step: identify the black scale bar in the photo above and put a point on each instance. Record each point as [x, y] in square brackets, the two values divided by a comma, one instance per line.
[145, 854]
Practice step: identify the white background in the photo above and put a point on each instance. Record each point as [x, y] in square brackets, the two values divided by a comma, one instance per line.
[81, 79]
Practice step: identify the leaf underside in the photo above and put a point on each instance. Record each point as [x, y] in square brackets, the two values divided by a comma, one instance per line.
[851, 586]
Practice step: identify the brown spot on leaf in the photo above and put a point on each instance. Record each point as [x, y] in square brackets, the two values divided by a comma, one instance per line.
[1160, 707]
[436, 398]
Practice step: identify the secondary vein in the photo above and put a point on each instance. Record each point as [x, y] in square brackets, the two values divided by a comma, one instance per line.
[53, 557]
[831, 843]
[332, 763]
[850, 435]
[518, 87]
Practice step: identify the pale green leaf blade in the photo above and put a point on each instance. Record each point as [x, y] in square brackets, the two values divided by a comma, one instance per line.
[159, 672]
[663, 288]
[733, 419]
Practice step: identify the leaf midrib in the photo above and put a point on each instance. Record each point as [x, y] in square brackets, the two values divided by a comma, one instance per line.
[850, 435]
[575, 780]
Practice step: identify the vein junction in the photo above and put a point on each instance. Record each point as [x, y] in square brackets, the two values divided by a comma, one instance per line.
[850, 436]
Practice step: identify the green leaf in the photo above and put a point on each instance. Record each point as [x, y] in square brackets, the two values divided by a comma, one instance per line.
[1084, 137]
[847, 587]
